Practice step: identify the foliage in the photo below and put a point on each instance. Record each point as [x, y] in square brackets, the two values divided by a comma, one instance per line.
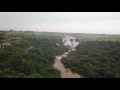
[32, 56]
[95, 59]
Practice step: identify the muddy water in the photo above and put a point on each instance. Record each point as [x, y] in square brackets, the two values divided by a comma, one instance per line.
[66, 72]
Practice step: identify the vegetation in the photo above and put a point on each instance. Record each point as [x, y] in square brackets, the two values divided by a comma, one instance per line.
[97, 56]
[95, 59]
[31, 57]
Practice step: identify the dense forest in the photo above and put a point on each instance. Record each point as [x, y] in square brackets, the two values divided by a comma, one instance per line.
[32, 54]
[95, 59]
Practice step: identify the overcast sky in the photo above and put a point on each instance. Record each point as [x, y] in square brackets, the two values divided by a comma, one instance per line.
[81, 22]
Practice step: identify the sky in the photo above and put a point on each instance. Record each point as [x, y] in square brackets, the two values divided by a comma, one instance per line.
[71, 22]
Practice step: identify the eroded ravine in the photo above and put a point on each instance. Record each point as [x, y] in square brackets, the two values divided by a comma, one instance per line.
[66, 72]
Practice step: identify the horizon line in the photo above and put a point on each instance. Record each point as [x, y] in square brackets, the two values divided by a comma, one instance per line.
[61, 32]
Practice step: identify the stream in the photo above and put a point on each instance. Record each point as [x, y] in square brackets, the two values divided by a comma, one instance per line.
[66, 72]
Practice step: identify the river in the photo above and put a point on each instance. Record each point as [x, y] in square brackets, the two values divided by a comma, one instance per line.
[66, 72]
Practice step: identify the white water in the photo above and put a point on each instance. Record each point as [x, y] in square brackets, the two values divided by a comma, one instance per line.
[66, 72]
